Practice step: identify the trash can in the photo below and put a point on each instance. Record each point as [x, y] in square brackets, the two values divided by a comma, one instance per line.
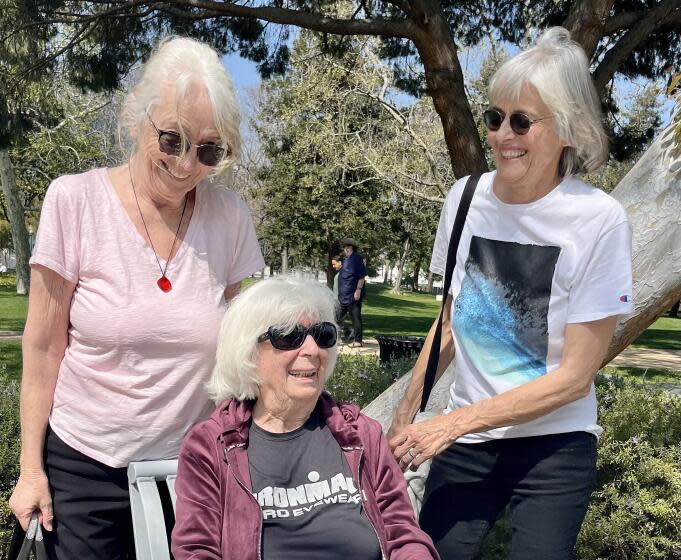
[395, 347]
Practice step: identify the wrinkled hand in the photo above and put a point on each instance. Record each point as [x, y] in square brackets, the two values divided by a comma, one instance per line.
[417, 443]
[32, 493]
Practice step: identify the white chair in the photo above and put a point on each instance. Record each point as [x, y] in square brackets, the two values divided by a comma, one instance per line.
[147, 510]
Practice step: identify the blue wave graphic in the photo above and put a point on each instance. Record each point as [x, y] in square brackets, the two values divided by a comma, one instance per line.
[498, 339]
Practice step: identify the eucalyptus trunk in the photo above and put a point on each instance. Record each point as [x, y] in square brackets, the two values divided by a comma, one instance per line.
[15, 213]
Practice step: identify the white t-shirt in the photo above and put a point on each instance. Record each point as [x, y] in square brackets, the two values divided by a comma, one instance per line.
[132, 381]
[523, 272]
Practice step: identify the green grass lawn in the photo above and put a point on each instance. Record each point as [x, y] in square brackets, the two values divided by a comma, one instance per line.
[10, 360]
[13, 307]
[664, 334]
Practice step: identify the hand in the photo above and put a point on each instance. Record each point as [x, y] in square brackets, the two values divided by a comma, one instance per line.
[358, 294]
[417, 443]
[32, 493]
[396, 427]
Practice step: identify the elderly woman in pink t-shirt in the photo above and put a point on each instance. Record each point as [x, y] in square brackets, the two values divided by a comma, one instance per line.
[131, 274]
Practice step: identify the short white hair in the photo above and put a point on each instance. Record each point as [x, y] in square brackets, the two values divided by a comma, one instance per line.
[279, 301]
[183, 62]
[557, 68]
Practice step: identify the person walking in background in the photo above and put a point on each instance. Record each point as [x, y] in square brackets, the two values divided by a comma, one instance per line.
[336, 264]
[351, 291]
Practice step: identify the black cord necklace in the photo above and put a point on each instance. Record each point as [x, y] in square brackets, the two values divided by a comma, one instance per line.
[163, 283]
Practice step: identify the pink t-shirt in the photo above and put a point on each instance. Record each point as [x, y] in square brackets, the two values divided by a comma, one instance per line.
[132, 381]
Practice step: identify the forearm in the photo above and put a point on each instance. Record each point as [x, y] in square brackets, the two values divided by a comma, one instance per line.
[522, 404]
[39, 377]
[360, 283]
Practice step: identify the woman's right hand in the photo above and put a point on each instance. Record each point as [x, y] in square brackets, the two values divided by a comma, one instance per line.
[32, 493]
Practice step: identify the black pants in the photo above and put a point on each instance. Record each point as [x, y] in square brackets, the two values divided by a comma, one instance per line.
[546, 480]
[354, 309]
[92, 517]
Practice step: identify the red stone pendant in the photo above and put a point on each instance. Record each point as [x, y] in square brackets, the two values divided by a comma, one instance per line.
[164, 284]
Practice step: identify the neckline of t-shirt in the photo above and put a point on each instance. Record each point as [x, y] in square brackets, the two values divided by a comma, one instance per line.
[523, 207]
[129, 226]
[310, 424]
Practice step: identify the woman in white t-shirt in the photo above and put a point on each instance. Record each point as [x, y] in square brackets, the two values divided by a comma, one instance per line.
[131, 274]
[543, 270]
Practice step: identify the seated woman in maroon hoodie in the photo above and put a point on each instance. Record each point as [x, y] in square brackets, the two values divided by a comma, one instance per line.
[281, 470]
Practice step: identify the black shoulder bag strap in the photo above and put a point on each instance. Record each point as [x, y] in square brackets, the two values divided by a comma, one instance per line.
[434, 357]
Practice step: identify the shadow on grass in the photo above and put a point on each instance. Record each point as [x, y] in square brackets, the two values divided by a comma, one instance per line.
[664, 339]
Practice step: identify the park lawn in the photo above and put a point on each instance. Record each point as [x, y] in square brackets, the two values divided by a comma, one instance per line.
[13, 307]
[663, 334]
[407, 314]
[10, 360]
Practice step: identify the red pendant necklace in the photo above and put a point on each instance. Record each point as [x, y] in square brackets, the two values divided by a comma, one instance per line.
[163, 283]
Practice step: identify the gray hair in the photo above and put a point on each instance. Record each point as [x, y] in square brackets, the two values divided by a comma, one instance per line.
[183, 62]
[282, 302]
[558, 69]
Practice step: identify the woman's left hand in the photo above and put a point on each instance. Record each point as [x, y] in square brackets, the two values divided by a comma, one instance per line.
[422, 441]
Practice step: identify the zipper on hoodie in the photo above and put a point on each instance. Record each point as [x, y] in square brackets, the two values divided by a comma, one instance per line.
[361, 493]
[243, 485]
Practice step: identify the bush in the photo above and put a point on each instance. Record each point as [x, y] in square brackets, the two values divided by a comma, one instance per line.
[9, 457]
[635, 512]
[360, 379]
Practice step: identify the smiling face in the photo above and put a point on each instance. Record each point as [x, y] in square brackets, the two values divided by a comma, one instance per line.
[526, 163]
[169, 175]
[291, 378]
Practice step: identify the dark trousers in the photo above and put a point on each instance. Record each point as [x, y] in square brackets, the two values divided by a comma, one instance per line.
[92, 517]
[546, 480]
[353, 309]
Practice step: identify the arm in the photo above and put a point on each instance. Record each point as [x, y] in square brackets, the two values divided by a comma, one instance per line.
[585, 348]
[409, 405]
[43, 344]
[405, 540]
[198, 513]
[231, 291]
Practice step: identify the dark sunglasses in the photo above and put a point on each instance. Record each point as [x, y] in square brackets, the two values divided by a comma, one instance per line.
[170, 143]
[520, 122]
[324, 334]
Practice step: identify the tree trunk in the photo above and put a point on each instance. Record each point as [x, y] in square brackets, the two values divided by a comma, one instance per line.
[284, 260]
[445, 83]
[415, 276]
[651, 195]
[586, 23]
[386, 269]
[397, 288]
[430, 282]
[15, 213]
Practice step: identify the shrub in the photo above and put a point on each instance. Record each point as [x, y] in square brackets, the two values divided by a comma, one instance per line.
[360, 379]
[635, 512]
[9, 457]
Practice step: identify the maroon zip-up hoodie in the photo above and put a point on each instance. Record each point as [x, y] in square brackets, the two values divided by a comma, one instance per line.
[217, 517]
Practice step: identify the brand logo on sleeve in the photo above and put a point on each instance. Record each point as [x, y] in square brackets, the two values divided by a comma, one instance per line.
[625, 298]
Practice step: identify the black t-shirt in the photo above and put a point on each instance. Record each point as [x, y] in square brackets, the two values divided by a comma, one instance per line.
[311, 508]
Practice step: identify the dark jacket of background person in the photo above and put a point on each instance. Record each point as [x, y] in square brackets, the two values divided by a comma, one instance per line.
[214, 486]
[350, 274]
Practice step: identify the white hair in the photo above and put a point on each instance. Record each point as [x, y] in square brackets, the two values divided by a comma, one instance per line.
[557, 68]
[182, 63]
[280, 301]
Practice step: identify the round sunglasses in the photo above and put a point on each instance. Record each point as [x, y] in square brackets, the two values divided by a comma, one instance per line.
[170, 143]
[520, 122]
[324, 334]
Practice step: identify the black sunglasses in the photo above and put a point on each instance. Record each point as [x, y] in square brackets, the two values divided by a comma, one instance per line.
[324, 334]
[520, 122]
[170, 143]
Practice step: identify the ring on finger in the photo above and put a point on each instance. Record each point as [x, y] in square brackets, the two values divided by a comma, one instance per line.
[411, 453]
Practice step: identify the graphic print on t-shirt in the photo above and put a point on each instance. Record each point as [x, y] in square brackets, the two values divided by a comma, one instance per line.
[500, 314]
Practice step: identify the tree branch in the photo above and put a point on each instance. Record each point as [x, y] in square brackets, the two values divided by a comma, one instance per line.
[631, 39]
[315, 22]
